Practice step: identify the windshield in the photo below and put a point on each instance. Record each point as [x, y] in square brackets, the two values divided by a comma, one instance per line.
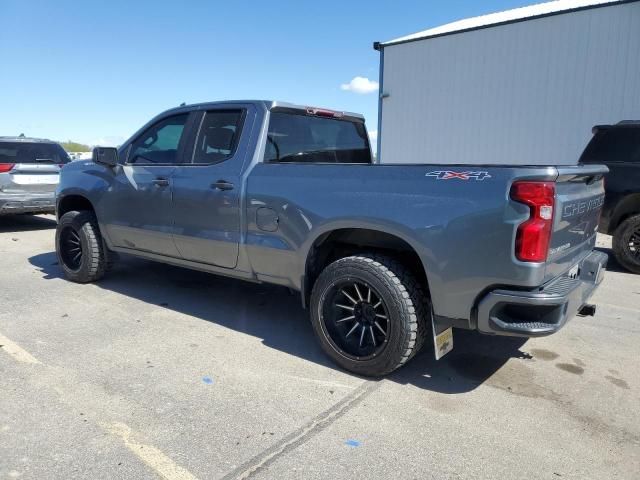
[24, 152]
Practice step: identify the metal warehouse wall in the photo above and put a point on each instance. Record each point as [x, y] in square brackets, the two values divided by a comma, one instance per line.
[524, 93]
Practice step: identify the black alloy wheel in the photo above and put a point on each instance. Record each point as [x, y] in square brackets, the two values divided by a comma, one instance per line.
[70, 248]
[626, 243]
[81, 252]
[370, 313]
[356, 319]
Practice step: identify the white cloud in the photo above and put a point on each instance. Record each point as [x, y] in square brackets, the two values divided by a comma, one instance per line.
[361, 85]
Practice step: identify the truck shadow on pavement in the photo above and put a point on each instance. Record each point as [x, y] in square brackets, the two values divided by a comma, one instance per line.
[612, 263]
[26, 223]
[275, 315]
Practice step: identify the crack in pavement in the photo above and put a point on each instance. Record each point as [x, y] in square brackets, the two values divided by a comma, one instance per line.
[304, 433]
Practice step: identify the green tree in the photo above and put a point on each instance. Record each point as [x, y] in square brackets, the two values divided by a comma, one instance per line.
[70, 146]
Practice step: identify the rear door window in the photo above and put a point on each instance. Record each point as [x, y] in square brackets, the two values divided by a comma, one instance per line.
[218, 136]
[614, 145]
[311, 139]
[33, 153]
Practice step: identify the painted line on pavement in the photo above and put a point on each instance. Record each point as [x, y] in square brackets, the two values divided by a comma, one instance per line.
[17, 352]
[154, 458]
[150, 455]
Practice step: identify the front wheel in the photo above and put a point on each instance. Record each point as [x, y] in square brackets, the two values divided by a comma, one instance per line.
[79, 247]
[370, 314]
[626, 244]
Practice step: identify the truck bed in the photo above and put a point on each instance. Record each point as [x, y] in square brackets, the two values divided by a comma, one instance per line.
[458, 219]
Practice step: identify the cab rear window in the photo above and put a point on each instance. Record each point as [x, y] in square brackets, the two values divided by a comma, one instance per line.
[299, 138]
[24, 152]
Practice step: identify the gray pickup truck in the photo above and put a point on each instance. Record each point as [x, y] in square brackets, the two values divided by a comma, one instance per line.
[385, 257]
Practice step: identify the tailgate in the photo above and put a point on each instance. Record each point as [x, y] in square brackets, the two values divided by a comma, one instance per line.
[32, 177]
[579, 200]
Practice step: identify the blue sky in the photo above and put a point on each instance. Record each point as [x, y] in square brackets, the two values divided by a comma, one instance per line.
[94, 72]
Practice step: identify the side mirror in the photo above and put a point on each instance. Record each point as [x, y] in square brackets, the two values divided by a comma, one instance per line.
[106, 156]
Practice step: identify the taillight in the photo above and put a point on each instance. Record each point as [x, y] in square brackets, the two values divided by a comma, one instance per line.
[534, 235]
[5, 167]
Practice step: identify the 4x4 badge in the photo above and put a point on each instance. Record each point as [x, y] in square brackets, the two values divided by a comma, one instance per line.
[450, 175]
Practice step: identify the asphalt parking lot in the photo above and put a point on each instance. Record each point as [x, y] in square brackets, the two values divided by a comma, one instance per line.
[160, 372]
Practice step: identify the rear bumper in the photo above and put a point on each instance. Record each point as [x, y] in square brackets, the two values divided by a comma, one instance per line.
[543, 311]
[27, 203]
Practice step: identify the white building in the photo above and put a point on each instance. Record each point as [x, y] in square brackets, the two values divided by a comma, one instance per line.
[523, 86]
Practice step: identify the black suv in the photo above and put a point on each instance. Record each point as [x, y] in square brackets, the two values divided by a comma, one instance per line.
[618, 147]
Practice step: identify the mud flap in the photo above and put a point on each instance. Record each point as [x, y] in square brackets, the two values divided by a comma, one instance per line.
[442, 337]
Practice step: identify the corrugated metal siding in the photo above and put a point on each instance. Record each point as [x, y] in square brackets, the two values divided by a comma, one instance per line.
[526, 93]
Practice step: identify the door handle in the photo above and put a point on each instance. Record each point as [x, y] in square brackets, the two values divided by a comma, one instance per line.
[222, 185]
[160, 182]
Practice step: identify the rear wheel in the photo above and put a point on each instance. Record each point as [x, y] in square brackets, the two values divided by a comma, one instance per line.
[369, 313]
[626, 244]
[79, 247]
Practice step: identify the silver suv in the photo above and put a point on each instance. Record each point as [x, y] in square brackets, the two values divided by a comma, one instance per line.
[29, 173]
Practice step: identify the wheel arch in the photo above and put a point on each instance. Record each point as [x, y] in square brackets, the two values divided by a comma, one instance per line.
[343, 240]
[73, 201]
[628, 206]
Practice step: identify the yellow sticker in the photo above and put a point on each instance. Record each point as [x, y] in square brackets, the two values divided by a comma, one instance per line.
[444, 343]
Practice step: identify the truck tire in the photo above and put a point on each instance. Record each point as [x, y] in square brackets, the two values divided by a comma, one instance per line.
[626, 244]
[79, 247]
[370, 314]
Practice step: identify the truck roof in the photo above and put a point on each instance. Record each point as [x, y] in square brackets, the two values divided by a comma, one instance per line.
[621, 124]
[25, 139]
[267, 104]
